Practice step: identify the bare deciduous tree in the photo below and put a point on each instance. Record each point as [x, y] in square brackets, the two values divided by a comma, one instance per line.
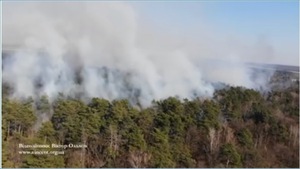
[138, 159]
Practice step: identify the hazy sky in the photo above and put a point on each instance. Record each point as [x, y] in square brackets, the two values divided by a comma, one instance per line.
[273, 22]
[268, 29]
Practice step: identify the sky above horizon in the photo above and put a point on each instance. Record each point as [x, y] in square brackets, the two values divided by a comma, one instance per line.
[270, 27]
[273, 22]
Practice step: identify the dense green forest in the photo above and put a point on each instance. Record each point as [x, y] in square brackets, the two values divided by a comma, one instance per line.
[238, 127]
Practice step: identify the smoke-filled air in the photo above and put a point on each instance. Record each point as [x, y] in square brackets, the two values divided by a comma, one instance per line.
[107, 50]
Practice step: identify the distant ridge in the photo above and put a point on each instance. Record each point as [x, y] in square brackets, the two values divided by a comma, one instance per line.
[278, 67]
[6, 49]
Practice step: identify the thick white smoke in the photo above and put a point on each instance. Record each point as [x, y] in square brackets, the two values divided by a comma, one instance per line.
[100, 49]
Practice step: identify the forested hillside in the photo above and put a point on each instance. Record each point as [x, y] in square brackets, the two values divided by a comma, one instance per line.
[238, 127]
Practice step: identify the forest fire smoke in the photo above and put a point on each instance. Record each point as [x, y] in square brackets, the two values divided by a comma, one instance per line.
[100, 49]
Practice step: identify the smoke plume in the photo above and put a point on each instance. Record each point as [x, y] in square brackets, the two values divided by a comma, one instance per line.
[101, 49]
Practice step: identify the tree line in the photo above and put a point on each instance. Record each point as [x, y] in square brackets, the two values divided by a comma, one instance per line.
[238, 127]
